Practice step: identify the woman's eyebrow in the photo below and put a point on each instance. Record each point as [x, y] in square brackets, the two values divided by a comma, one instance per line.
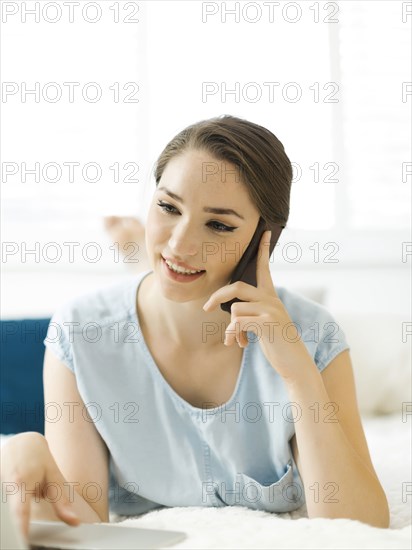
[209, 209]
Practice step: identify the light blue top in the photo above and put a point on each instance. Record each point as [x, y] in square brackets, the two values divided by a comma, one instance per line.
[164, 451]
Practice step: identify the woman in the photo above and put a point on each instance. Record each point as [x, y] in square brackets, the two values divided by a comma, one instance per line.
[161, 398]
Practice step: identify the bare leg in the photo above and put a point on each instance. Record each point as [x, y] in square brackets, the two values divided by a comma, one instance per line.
[124, 230]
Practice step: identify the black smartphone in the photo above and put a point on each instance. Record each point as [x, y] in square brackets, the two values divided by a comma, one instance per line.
[247, 266]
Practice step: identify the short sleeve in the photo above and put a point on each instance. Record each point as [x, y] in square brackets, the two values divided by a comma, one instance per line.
[59, 339]
[331, 339]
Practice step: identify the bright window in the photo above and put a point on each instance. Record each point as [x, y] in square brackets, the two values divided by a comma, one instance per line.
[88, 105]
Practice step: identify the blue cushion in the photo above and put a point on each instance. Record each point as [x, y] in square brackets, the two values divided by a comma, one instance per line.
[21, 375]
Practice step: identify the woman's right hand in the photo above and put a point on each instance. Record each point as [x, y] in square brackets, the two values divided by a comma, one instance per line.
[28, 470]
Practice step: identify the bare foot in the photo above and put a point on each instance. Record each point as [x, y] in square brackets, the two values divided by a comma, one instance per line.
[124, 230]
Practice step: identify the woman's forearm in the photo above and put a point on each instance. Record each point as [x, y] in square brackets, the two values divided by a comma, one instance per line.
[44, 510]
[337, 482]
[16, 474]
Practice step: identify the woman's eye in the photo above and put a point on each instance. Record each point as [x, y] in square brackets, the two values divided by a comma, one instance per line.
[165, 207]
[220, 227]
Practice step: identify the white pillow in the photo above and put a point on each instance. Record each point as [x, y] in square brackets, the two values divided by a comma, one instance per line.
[315, 293]
[381, 361]
[4, 438]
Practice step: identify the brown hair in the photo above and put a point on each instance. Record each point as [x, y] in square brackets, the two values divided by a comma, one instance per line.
[259, 156]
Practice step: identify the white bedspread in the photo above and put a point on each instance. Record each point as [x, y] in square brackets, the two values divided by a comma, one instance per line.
[389, 441]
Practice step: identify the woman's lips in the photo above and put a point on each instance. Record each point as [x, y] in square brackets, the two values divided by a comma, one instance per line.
[180, 277]
[182, 266]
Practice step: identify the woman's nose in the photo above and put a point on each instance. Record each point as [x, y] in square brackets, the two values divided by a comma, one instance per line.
[184, 241]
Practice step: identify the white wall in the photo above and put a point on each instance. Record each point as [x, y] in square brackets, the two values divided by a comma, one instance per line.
[171, 52]
[380, 290]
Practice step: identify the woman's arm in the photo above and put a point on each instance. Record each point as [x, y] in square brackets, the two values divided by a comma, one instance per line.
[44, 510]
[76, 445]
[334, 461]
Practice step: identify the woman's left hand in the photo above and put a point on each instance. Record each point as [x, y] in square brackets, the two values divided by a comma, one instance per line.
[263, 313]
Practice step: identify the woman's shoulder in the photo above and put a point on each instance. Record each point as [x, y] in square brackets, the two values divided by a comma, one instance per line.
[315, 325]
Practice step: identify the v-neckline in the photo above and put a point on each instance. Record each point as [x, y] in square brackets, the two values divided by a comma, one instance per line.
[156, 370]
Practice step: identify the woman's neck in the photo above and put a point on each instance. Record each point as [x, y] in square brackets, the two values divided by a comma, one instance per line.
[181, 324]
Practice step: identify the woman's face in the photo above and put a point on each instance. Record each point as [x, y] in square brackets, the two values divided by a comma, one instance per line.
[182, 227]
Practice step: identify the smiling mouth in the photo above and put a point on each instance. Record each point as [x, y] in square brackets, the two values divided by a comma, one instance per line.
[181, 271]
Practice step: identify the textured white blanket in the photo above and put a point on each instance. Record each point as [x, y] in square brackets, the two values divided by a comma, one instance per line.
[389, 441]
